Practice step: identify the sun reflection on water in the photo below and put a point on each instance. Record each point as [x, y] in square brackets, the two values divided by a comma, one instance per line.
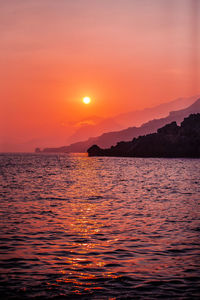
[86, 226]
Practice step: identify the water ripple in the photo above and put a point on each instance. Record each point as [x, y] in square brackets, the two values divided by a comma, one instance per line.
[119, 228]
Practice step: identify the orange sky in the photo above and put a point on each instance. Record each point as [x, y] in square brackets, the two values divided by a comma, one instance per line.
[124, 54]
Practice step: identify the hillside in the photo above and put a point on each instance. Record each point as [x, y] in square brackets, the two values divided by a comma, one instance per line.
[95, 126]
[169, 141]
[111, 138]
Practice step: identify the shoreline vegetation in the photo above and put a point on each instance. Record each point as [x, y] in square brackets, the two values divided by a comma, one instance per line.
[170, 141]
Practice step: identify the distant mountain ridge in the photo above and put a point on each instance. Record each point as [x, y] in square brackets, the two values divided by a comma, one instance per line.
[111, 138]
[95, 126]
[159, 111]
[169, 141]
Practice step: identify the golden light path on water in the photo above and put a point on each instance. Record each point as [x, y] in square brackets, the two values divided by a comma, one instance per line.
[99, 227]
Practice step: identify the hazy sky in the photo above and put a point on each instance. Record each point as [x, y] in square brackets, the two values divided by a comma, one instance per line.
[124, 54]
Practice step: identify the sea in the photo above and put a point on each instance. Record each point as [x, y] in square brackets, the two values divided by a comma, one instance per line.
[78, 227]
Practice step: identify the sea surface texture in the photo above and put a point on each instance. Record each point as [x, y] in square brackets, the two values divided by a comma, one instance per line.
[99, 228]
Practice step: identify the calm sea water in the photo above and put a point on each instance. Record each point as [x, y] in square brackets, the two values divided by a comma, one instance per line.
[101, 228]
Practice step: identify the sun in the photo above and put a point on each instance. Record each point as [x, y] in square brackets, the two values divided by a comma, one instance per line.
[86, 100]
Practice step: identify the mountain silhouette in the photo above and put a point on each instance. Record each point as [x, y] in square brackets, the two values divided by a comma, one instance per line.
[95, 126]
[169, 141]
[111, 138]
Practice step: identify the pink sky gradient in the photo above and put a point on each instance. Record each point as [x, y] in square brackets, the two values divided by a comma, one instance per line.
[124, 54]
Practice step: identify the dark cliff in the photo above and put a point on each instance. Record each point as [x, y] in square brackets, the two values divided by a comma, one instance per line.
[169, 141]
[111, 138]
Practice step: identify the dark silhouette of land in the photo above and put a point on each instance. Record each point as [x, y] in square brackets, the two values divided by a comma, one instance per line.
[169, 141]
[95, 126]
[111, 138]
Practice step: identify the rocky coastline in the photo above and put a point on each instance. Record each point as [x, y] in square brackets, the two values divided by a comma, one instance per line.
[170, 141]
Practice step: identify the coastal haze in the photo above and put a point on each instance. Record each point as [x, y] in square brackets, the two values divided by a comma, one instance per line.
[99, 149]
[108, 139]
[126, 55]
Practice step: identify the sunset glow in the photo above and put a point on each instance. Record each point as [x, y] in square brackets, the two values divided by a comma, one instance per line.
[128, 54]
[86, 100]
[99, 149]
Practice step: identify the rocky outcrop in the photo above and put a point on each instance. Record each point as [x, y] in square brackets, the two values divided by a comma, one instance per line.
[112, 138]
[169, 141]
